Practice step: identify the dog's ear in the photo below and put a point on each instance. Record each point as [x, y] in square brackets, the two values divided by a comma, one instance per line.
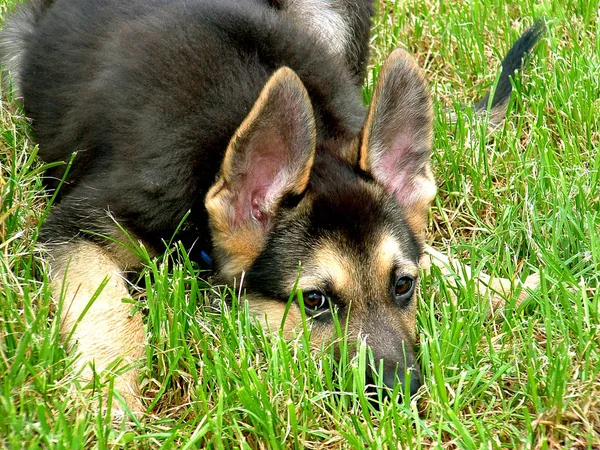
[269, 157]
[397, 137]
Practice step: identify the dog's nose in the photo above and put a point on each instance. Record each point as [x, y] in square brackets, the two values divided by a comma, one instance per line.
[392, 377]
[415, 383]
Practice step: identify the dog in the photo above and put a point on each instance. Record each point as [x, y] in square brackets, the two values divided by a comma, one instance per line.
[245, 119]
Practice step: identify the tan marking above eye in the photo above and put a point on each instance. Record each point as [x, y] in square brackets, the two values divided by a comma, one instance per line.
[327, 264]
[389, 256]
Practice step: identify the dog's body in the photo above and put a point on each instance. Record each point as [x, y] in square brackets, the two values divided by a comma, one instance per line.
[242, 118]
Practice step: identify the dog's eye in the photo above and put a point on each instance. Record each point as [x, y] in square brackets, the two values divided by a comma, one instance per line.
[404, 288]
[314, 300]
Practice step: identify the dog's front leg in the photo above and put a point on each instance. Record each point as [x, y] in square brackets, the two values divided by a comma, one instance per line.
[497, 290]
[97, 324]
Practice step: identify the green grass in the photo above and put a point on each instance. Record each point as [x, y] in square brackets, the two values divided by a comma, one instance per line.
[525, 197]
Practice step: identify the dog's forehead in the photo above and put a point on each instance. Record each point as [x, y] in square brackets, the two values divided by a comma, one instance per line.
[361, 216]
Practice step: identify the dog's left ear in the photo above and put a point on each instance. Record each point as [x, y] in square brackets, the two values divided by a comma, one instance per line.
[269, 157]
[397, 137]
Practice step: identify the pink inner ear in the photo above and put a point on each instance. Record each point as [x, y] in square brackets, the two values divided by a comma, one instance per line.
[256, 212]
[402, 169]
[394, 167]
[262, 178]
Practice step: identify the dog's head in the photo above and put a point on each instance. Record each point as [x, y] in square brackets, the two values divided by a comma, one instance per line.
[351, 219]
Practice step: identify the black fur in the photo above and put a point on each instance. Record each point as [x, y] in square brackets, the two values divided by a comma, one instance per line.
[148, 94]
[357, 14]
[512, 62]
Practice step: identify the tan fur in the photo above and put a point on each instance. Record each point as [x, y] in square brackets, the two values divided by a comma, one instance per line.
[107, 331]
[270, 313]
[417, 217]
[241, 245]
[363, 149]
[388, 255]
[122, 246]
[332, 264]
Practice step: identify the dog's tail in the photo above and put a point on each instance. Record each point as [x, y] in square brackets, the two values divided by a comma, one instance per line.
[513, 61]
[18, 29]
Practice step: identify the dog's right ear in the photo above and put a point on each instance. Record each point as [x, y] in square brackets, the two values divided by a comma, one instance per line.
[397, 137]
[270, 156]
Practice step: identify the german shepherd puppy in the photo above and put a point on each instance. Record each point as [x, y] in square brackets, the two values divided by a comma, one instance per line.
[244, 116]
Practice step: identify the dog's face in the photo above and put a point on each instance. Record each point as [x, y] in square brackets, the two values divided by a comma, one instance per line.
[344, 227]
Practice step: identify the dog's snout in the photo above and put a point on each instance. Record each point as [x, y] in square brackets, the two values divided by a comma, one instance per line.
[394, 357]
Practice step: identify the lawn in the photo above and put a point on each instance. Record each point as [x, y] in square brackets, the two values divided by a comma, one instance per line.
[522, 199]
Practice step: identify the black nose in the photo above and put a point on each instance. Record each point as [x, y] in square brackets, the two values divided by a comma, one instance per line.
[391, 377]
[415, 382]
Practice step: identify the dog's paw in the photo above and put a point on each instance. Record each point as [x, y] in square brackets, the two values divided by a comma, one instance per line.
[128, 407]
[502, 289]
[532, 281]
[117, 398]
